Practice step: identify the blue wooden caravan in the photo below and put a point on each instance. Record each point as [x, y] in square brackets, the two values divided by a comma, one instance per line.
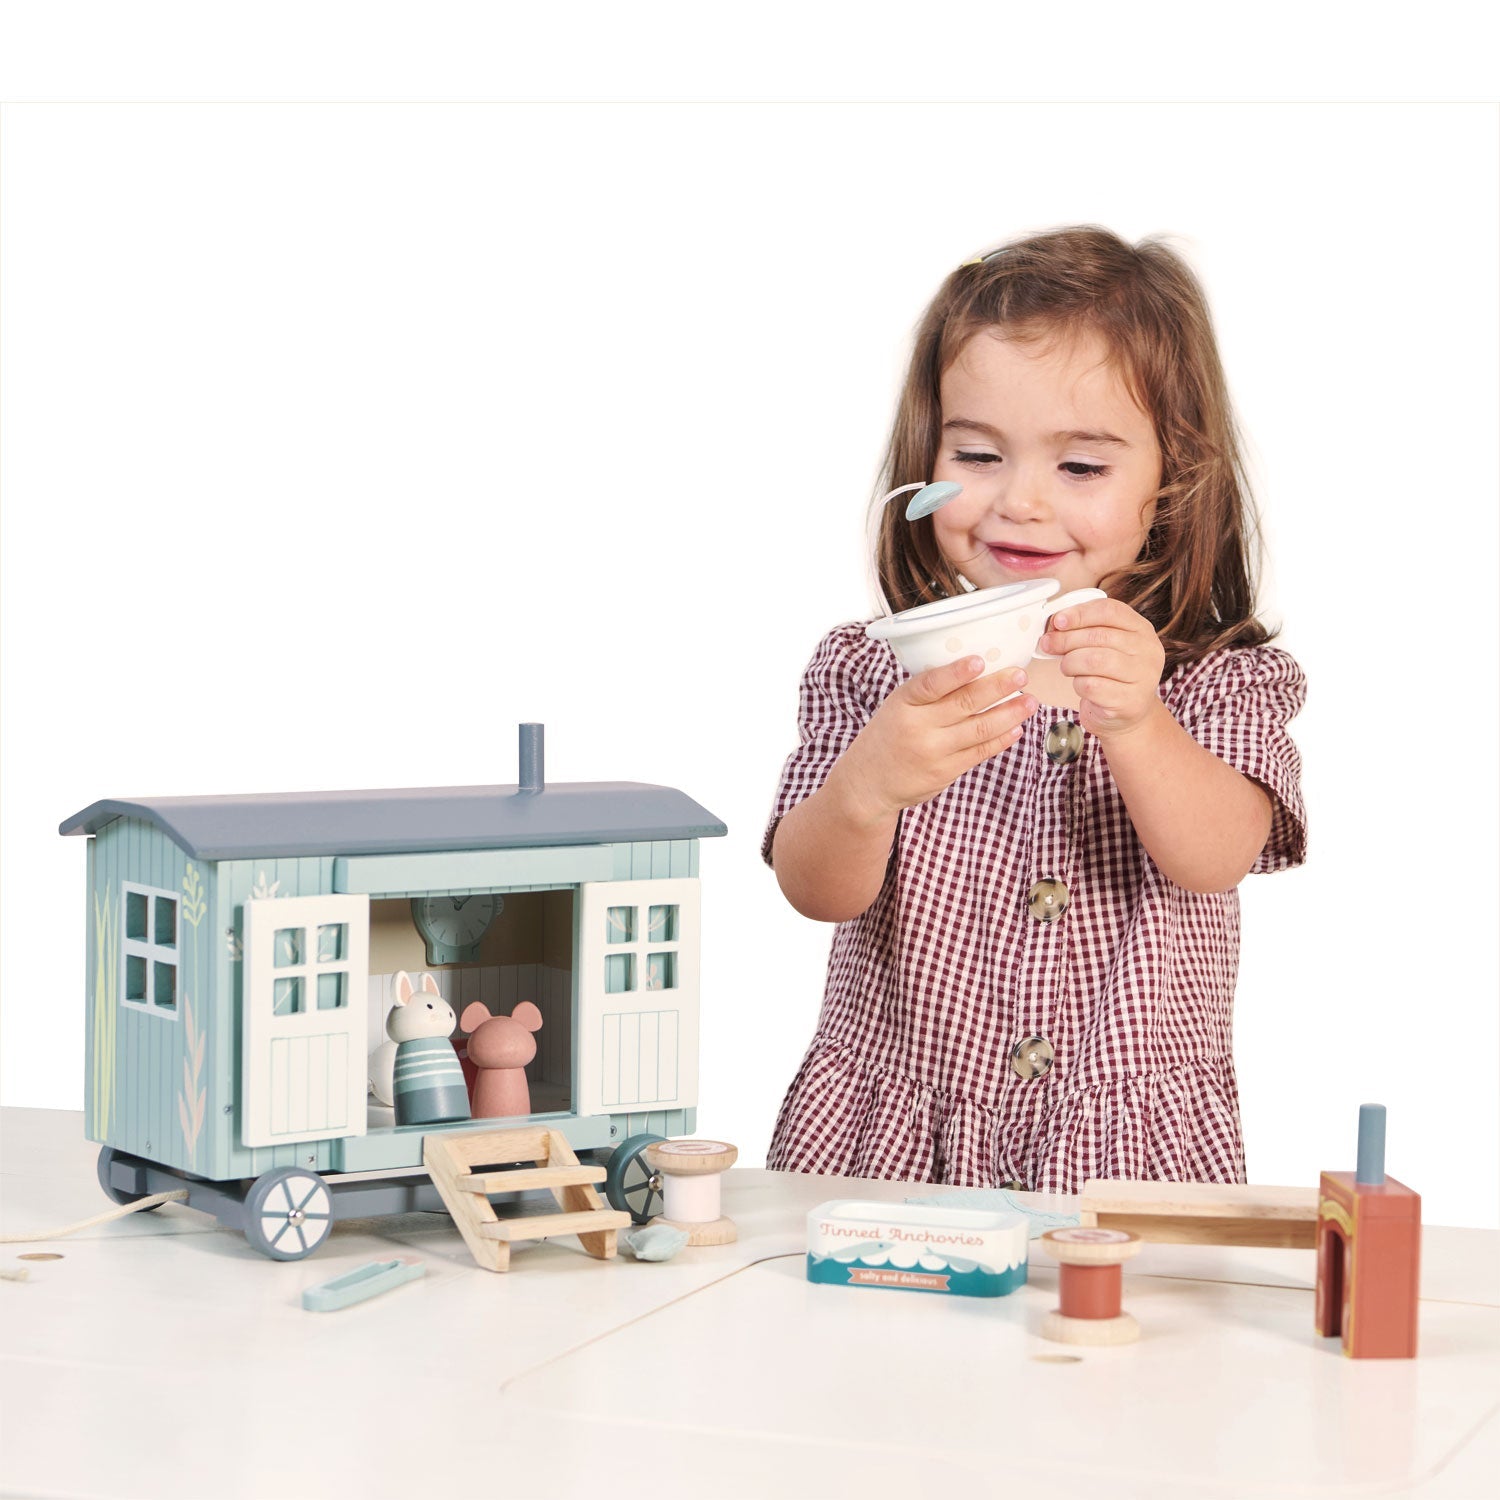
[242, 953]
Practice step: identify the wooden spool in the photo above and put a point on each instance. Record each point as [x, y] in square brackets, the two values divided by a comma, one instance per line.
[690, 1172]
[1088, 1279]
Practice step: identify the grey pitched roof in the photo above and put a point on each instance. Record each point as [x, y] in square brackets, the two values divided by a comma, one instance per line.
[423, 819]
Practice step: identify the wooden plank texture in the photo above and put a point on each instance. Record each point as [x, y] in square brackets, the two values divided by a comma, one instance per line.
[1204, 1213]
[449, 1160]
[545, 1226]
[524, 1179]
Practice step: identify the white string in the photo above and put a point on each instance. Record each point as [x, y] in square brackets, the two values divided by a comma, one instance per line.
[872, 544]
[691, 1200]
[153, 1201]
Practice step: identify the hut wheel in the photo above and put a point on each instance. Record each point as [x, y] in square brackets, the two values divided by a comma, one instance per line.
[288, 1213]
[629, 1183]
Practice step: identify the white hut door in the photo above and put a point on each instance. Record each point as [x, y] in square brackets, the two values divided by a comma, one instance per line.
[307, 961]
[637, 996]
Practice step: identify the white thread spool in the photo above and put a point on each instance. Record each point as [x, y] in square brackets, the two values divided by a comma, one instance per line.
[690, 1172]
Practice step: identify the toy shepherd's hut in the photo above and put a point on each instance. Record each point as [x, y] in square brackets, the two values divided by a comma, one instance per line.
[242, 951]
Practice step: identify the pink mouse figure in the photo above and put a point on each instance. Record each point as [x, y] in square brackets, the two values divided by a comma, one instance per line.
[500, 1047]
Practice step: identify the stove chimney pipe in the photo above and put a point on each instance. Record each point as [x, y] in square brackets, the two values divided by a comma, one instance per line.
[533, 758]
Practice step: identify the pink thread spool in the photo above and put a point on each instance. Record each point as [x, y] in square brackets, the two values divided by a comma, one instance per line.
[690, 1172]
[1088, 1283]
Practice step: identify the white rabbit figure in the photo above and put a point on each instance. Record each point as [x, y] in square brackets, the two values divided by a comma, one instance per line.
[427, 1080]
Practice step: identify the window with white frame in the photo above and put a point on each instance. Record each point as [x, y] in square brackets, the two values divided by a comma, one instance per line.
[642, 944]
[312, 969]
[149, 950]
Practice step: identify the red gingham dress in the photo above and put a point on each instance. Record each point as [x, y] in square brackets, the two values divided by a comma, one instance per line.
[909, 1076]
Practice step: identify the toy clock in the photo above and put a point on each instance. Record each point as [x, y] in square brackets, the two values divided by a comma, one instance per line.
[453, 926]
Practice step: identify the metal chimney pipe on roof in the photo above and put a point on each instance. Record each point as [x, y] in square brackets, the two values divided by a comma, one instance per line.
[533, 758]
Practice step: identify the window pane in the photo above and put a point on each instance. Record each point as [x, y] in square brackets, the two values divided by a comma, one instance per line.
[166, 922]
[135, 916]
[289, 997]
[332, 941]
[333, 991]
[621, 925]
[164, 986]
[619, 973]
[135, 977]
[288, 947]
[661, 971]
[662, 927]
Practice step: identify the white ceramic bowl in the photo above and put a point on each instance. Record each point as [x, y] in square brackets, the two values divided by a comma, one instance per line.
[1001, 624]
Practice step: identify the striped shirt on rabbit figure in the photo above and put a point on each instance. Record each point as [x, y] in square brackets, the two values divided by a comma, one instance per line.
[428, 1084]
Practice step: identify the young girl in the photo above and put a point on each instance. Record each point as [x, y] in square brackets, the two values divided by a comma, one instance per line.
[1033, 972]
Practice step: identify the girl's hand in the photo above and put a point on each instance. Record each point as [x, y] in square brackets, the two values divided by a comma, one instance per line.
[1114, 660]
[927, 733]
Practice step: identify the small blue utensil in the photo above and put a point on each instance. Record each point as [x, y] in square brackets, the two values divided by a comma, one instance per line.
[931, 497]
[355, 1286]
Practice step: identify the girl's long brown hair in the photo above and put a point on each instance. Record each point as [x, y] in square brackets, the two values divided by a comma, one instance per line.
[1195, 577]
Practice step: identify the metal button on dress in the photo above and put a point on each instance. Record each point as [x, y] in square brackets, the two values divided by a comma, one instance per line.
[1063, 742]
[1031, 1058]
[1047, 900]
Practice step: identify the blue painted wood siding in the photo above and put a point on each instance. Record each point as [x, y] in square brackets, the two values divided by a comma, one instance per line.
[383, 877]
[140, 1071]
[667, 860]
[148, 1089]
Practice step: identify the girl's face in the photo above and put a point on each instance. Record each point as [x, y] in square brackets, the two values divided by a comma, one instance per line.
[1059, 466]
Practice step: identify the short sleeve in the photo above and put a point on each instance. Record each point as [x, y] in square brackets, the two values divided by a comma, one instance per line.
[1238, 704]
[846, 680]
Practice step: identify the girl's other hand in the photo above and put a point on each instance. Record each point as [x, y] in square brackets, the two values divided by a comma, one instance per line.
[927, 733]
[1114, 660]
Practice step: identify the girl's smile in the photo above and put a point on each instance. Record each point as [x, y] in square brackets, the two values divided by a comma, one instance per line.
[1024, 560]
[1059, 466]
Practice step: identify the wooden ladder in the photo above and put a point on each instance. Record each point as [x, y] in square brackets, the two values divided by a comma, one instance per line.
[451, 1161]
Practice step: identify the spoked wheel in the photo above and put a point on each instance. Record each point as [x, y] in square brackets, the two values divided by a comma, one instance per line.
[629, 1183]
[288, 1213]
[109, 1159]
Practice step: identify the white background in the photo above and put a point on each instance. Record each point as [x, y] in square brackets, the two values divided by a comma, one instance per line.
[340, 438]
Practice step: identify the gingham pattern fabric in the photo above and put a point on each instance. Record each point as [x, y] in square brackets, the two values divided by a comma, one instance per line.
[909, 1077]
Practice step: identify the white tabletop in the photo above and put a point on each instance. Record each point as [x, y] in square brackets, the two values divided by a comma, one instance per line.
[161, 1356]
